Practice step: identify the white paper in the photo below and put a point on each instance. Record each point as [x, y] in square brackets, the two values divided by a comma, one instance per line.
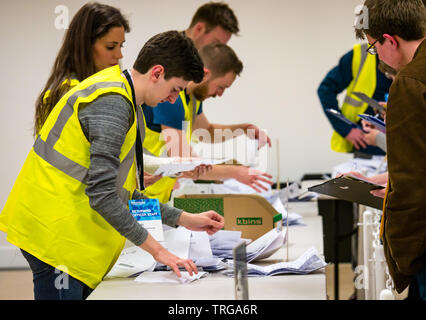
[132, 261]
[266, 245]
[170, 169]
[199, 246]
[169, 277]
[308, 262]
[177, 241]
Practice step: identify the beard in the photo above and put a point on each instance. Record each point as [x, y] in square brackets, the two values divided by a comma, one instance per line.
[201, 92]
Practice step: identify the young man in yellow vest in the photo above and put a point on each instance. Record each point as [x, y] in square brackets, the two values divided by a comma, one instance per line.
[165, 124]
[68, 208]
[212, 22]
[402, 46]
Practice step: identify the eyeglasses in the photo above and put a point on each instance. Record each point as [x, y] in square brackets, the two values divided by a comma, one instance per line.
[372, 49]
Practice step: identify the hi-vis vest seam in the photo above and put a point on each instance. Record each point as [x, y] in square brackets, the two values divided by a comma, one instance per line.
[349, 99]
[45, 149]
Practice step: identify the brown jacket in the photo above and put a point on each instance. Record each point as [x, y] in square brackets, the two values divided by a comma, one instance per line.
[405, 210]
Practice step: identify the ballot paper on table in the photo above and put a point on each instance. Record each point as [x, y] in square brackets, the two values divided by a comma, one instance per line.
[174, 168]
[177, 241]
[266, 245]
[308, 262]
[169, 277]
[223, 241]
[131, 262]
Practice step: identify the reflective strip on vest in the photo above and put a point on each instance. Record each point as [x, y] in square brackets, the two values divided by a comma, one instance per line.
[364, 69]
[46, 151]
[48, 213]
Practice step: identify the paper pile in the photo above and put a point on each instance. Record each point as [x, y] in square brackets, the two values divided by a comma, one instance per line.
[169, 277]
[266, 245]
[131, 262]
[308, 262]
[224, 241]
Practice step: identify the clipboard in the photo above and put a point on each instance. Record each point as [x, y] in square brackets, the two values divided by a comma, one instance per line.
[370, 101]
[379, 124]
[342, 118]
[351, 188]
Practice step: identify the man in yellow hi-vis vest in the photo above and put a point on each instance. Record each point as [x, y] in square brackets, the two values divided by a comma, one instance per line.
[357, 71]
[170, 127]
[68, 209]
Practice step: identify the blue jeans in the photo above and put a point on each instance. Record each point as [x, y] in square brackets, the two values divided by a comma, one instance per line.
[52, 284]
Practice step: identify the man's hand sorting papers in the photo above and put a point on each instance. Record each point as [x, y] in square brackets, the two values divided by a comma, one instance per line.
[252, 177]
[209, 221]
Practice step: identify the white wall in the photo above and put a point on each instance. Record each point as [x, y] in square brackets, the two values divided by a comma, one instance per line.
[286, 47]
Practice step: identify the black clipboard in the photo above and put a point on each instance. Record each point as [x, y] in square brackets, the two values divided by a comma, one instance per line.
[351, 188]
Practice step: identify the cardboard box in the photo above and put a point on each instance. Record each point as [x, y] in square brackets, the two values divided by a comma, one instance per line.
[249, 213]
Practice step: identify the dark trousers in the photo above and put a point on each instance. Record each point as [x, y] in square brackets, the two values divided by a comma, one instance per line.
[417, 289]
[53, 284]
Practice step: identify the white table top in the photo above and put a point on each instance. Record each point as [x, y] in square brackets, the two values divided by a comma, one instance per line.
[220, 287]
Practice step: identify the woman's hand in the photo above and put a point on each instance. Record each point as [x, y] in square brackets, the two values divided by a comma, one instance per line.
[163, 256]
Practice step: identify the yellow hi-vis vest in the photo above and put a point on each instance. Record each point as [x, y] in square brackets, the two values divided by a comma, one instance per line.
[155, 145]
[48, 213]
[364, 71]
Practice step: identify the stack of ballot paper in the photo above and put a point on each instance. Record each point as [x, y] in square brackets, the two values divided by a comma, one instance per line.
[174, 168]
[131, 262]
[266, 245]
[308, 262]
[223, 241]
[169, 277]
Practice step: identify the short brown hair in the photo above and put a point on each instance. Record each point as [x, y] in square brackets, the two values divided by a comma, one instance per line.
[404, 18]
[220, 59]
[175, 52]
[215, 14]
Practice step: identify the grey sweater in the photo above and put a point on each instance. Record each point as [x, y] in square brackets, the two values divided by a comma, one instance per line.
[105, 123]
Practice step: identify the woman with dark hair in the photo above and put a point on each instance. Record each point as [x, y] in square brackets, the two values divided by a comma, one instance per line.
[92, 42]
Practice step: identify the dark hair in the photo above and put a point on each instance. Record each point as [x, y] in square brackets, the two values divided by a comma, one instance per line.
[405, 18]
[215, 14]
[220, 59]
[175, 52]
[75, 57]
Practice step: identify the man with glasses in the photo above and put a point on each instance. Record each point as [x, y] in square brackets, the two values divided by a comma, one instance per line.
[402, 46]
[357, 71]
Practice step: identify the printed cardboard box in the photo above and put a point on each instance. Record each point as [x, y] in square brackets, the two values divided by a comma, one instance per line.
[251, 214]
